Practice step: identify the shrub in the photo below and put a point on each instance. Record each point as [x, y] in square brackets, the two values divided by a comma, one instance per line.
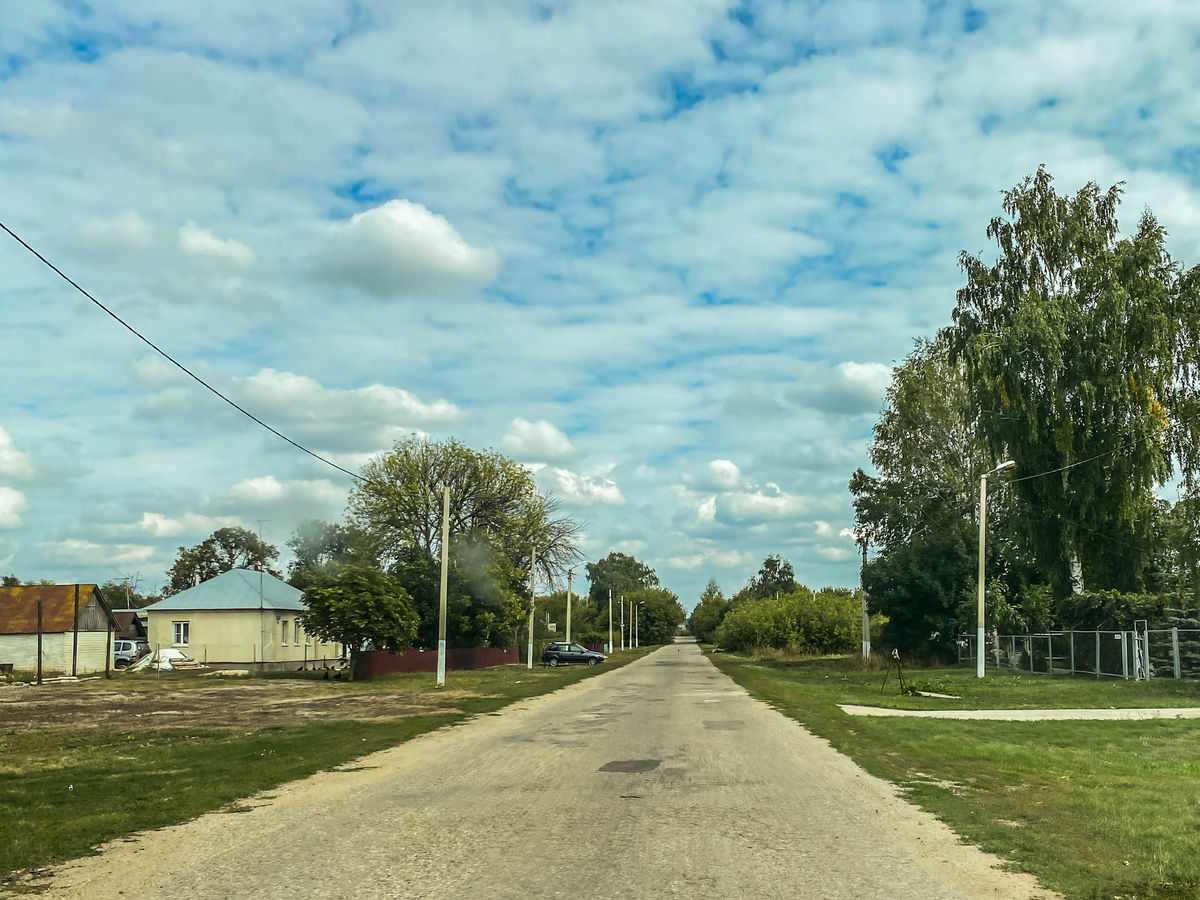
[828, 621]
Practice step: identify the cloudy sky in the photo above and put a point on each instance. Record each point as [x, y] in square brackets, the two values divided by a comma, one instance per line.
[665, 253]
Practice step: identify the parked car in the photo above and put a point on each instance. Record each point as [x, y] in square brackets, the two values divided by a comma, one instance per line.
[127, 652]
[561, 653]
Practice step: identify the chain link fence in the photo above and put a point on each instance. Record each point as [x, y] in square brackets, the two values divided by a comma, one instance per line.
[1141, 653]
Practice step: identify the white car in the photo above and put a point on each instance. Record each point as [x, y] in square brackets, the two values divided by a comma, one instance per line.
[127, 652]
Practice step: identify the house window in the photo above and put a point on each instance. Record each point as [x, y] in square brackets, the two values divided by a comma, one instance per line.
[285, 633]
[296, 633]
[182, 633]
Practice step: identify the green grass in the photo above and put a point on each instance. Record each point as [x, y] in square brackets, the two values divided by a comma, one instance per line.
[64, 792]
[1093, 809]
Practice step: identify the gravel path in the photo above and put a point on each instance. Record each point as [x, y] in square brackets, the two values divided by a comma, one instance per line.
[662, 777]
[1028, 715]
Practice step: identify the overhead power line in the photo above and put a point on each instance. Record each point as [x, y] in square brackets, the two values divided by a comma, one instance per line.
[163, 353]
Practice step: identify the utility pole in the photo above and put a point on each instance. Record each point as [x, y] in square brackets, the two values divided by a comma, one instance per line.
[622, 621]
[610, 643]
[636, 637]
[866, 616]
[979, 640]
[441, 661]
[262, 622]
[532, 598]
[570, 572]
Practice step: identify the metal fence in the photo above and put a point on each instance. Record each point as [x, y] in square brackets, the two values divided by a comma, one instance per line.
[1140, 653]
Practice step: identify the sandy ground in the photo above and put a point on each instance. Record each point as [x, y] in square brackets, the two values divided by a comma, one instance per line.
[1027, 715]
[257, 703]
[659, 778]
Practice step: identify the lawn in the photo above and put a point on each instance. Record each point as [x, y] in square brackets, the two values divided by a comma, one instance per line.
[1093, 809]
[63, 790]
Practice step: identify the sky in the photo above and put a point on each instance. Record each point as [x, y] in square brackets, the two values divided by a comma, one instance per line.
[665, 254]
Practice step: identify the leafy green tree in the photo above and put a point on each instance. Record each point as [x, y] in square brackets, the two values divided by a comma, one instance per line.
[493, 499]
[320, 549]
[708, 612]
[828, 621]
[619, 573]
[360, 606]
[225, 549]
[775, 576]
[1080, 354]
[659, 615]
[123, 595]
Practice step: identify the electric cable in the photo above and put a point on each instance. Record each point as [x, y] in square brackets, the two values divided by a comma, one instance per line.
[153, 346]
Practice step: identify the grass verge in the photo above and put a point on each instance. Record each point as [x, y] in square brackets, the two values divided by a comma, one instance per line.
[1093, 809]
[64, 792]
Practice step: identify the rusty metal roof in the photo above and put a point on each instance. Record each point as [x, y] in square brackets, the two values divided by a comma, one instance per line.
[18, 607]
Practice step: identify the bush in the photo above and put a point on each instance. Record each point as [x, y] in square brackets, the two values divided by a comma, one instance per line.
[828, 621]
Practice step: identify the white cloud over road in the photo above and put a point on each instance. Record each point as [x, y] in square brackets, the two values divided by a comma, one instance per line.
[402, 249]
[536, 441]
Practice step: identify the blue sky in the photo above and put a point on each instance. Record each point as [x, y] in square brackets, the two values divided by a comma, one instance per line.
[665, 254]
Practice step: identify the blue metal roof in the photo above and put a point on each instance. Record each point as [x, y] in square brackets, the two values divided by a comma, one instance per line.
[235, 589]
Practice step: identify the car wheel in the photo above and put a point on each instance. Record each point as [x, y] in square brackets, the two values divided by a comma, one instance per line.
[592, 661]
[554, 660]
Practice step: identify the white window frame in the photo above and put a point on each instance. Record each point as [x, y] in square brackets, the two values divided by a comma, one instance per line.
[295, 632]
[181, 628]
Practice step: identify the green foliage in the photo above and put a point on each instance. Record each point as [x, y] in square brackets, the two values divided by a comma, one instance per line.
[774, 577]
[659, 615]
[1079, 345]
[1111, 609]
[320, 549]
[123, 595]
[225, 549]
[620, 574]
[829, 621]
[359, 606]
[708, 612]
[493, 500]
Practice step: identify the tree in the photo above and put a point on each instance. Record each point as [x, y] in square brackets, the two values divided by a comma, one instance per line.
[619, 573]
[776, 576]
[225, 549]
[360, 606]
[320, 549]
[1080, 355]
[708, 612]
[492, 498]
[659, 616]
[122, 594]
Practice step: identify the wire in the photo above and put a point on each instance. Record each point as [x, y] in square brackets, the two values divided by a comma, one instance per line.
[149, 343]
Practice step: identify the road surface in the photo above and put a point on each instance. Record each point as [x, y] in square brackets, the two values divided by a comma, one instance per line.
[659, 778]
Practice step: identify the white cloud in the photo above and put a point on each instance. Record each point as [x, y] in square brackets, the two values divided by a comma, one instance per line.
[537, 441]
[631, 548]
[707, 510]
[868, 380]
[80, 552]
[51, 121]
[710, 556]
[13, 462]
[12, 504]
[835, 554]
[583, 489]
[161, 525]
[199, 242]
[759, 506]
[267, 489]
[399, 249]
[725, 474]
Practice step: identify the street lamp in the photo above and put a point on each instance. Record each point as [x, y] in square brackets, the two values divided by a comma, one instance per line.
[1003, 467]
[636, 639]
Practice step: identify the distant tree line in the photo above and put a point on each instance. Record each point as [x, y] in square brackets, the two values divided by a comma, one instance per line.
[1076, 353]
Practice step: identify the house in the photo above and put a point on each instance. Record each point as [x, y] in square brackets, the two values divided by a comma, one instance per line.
[132, 623]
[240, 618]
[76, 632]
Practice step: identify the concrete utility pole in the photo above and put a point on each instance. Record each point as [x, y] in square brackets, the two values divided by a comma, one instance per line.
[441, 662]
[532, 598]
[622, 621]
[569, 573]
[866, 616]
[979, 639]
[262, 622]
[610, 643]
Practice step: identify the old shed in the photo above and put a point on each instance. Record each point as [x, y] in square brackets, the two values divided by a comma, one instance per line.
[76, 628]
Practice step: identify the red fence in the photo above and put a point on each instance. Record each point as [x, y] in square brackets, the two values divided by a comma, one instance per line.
[373, 663]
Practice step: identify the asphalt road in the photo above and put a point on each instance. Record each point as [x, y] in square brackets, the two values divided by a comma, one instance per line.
[662, 777]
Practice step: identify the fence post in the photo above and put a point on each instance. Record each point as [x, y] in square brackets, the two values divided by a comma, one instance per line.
[1050, 654]
[1124, 656]
[1029, 647]
[1097, 653]
[1175, 650]
[1072, 634]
